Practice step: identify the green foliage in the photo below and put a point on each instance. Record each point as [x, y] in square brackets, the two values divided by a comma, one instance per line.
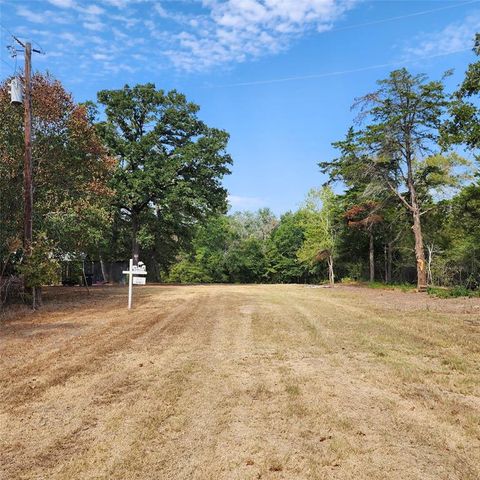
[148, 179]
[396, 154]
[463, 124]
[226, 249]
[188, 271]
[246, 262]
[404, 287]
[71, 169]
[205, 259]
[319, 215]
[170, 165]
[457, 291]
[41, 267]
[285, 241]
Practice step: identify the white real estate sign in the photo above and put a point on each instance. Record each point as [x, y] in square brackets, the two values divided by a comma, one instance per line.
[134, 270]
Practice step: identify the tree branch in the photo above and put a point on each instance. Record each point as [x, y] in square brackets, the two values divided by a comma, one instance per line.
[400, 196]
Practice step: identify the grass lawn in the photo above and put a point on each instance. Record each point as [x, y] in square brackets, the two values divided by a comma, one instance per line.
[241, 382]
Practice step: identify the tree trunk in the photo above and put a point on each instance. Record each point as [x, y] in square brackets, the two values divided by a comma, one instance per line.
[419, 251]
[104, 270]
[135, 246]
[331, 275]
[430, 249]
[417, 228]
[371, 257]
[385, 263]
[37, 299]
[389, 261]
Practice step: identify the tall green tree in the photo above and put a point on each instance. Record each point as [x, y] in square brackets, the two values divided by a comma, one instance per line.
[463, 124]
[205, 260]
[320, 213]
[284, 242]
[397, 149]
[464, 234]
[170, 163]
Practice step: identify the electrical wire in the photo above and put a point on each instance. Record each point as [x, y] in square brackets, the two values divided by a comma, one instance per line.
[6, 29]
[400, 17]
[14, 66]
[8, 65]
[41, 50]
[339, 72]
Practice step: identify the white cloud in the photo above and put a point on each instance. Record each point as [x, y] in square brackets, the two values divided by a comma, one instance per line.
[91, 10]
[117, 3]
[100, 56]
[454, 37]
[71, 38]
[160, 10]
[129, 21]
[191, 35]
[31, 16]
[45, 17]
[118, 67]
[94, 25]
[63, 3]
[236, 30]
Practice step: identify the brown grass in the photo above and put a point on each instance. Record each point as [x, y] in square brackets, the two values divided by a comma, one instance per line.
[241, 382]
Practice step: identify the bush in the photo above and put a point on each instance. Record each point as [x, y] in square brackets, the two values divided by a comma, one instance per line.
[454, 292]
[404, 287]
[40, 268]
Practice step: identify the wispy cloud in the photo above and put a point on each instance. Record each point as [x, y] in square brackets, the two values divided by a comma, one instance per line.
[94, 25]
[199, 35]
[237, 30]
[100, 56]
[117, 3]
[44, 17]
[194, 35]
[62, 3]
[454, 37]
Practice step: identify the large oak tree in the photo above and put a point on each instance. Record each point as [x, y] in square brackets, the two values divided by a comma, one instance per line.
[170, 163]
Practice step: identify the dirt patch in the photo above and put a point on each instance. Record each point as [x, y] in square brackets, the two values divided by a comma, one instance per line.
[241, 382]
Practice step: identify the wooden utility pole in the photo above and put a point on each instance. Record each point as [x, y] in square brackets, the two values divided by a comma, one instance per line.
[27, 170]
[27, 165]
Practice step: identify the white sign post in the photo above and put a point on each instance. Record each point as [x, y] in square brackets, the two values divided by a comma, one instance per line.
[134, 270]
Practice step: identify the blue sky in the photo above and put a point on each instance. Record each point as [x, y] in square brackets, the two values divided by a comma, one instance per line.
[278, 75]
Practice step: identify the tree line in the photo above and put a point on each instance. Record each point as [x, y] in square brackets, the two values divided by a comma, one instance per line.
[139, 174]
[138, 178]
[408, 208]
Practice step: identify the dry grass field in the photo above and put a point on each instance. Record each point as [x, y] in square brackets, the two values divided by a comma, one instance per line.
[241, 382]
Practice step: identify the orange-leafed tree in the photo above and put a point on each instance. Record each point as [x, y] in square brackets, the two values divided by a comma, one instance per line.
[71, 171]
[365, 216]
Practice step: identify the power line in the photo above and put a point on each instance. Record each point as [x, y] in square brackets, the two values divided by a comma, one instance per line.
[7, 64]
[11, 49]
[339, 72]
[400, 17]
[6, 29]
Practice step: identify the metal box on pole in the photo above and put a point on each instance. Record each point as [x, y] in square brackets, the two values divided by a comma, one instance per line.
[16, 91]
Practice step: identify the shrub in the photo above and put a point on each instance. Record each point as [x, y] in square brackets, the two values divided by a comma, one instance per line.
[454, 292]
[40, 268]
